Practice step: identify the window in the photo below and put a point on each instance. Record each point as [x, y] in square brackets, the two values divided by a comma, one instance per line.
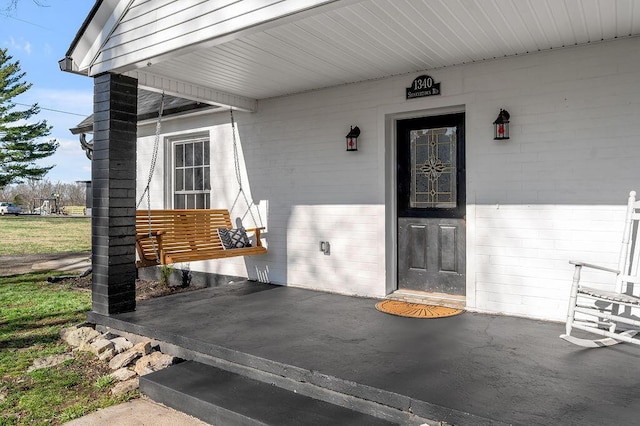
[191, 173]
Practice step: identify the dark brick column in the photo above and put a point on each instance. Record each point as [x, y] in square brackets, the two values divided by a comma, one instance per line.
[114, 185]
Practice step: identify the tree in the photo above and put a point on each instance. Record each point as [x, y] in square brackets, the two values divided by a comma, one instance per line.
[21, 143]
[30, 193]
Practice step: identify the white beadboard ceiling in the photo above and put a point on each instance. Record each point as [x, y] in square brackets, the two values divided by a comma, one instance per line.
[370, 39]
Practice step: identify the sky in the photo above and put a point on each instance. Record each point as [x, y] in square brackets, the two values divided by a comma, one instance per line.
[38, 37]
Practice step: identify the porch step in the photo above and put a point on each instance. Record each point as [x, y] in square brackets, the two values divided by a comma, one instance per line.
[438, 299]
[221, 397]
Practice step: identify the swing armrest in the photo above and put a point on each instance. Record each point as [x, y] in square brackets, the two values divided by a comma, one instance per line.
[155, 234]
[256, 232]
[143, 253]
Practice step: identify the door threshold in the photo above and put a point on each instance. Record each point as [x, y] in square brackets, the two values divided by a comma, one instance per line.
[439, 299]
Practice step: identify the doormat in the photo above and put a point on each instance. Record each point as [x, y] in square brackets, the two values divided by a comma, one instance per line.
[415, 310]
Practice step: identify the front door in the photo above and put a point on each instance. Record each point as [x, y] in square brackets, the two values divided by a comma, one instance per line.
[431, 204]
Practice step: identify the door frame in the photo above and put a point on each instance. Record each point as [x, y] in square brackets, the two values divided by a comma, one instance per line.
[391, 185]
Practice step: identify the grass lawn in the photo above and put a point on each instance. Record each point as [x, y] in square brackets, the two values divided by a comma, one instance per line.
[43, 234]
[32, 312]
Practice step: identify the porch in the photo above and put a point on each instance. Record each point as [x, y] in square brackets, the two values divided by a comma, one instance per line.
[468, 369]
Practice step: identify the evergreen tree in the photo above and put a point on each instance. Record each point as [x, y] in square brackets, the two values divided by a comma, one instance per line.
[21, 143]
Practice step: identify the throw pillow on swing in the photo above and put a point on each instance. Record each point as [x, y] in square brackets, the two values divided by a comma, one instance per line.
[233, 238]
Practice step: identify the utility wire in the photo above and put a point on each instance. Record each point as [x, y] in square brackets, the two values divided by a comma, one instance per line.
[6, 15]
[54, 110]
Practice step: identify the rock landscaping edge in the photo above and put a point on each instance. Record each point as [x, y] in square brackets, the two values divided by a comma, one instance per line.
[127, 361]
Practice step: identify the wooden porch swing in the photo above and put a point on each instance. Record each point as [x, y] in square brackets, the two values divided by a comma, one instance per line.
[165, 237]
[187, 235]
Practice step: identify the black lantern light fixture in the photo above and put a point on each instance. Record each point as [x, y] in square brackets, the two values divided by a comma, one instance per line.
[501, 126]
[352, 138]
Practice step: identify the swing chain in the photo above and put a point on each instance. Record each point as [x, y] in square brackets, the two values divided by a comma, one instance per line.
[152, 166]
[154, 157]
[236, 162]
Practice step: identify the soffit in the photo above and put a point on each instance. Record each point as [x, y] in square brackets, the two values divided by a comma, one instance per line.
[371, 39]
[378, 38]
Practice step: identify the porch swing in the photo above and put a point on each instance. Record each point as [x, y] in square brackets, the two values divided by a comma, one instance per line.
[165, 237]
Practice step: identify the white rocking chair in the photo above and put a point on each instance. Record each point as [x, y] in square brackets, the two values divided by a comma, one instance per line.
[612, 314]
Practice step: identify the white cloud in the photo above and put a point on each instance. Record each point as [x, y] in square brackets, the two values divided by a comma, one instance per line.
[68, 145]
[64, 108]
[20, 44]
[70, 161]
[72, 101]
[17, 123]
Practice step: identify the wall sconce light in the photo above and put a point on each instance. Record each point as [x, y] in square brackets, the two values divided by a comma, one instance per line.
[352, 138]
[501, 126]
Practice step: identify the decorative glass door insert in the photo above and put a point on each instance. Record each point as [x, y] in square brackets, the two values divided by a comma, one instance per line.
[433, 168]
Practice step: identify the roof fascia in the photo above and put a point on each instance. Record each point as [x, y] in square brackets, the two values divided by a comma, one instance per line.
[83, 27]
[102, 20]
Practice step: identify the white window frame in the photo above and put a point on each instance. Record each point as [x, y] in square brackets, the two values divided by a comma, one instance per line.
[194, 198]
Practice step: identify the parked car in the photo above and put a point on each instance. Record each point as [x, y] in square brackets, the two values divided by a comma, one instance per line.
[9, 208]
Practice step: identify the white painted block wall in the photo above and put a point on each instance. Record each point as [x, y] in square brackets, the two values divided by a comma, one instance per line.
[555, 191]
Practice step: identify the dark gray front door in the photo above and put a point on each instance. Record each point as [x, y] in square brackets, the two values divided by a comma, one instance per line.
[431, 204]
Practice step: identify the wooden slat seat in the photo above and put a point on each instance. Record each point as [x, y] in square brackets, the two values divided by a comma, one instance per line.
[610, 295]
[186, 235]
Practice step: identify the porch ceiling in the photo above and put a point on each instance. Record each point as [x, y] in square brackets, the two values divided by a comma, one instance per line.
[356, 40]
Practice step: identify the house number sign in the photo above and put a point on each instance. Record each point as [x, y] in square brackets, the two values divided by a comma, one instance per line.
[423, 86]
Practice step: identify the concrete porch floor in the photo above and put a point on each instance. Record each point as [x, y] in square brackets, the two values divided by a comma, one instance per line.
[468, 369]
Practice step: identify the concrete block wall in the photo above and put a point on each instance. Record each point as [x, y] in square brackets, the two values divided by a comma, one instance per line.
[317, 191]
[555, 191]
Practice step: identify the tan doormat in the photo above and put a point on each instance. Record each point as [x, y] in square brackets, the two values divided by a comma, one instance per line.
[415, 310]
